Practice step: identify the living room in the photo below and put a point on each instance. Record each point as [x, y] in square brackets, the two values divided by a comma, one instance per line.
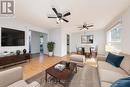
[38, 36]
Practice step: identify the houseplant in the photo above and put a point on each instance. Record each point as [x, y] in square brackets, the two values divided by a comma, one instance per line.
[50, 46]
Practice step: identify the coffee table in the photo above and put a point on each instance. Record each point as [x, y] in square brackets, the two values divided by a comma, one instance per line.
[61, 75]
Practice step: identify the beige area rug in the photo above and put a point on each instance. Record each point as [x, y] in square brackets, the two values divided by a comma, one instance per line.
[85, 77]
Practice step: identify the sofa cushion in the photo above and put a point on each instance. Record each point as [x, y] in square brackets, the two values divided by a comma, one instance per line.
[110, 76]
[20, 83]
[115, 60]
[125, 82]
[105, 84]
[108, 66]
[125, 64]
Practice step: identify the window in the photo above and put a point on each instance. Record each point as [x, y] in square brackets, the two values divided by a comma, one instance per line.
[114, 37]
[116, 34]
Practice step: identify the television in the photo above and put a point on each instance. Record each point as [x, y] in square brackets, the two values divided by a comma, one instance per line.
[12, 37]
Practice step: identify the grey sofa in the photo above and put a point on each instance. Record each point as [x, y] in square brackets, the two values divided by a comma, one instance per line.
[108, 73]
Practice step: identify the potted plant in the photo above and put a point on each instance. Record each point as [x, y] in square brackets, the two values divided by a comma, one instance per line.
[50, 46]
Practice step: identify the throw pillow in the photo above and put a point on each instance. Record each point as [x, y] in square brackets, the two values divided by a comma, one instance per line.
[125, 82]
[115, 60]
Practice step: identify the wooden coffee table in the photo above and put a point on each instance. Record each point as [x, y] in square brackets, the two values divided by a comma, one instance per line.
[61, 75]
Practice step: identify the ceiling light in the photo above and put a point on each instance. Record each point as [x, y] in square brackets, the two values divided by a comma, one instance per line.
[61, 20]
[57, 19]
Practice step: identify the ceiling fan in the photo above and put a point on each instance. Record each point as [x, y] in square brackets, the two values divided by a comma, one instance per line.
[85, 26]
[59, 16]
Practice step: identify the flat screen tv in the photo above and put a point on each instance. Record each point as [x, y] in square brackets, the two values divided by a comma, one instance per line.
[12, 37]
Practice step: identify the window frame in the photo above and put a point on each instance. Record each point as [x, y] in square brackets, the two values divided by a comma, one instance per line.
[117, 43]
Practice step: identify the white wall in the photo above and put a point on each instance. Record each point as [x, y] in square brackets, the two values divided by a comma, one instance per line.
[35, 42]
[55, 36]
[15, 24]
[99, 40]
[59, 36]
[64, 41]
[125, 43]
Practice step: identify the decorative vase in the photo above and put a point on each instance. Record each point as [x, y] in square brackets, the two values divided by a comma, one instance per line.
[6, 53]
[11, 53]
[24, 51]
[50, 53]
[18, 52]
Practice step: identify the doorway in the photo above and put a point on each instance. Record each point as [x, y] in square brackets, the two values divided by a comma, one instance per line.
[38, 42]
[41, 44]
[45, 40]
[68, 44]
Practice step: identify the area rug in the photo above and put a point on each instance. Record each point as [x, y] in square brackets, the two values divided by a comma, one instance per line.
[86, 76]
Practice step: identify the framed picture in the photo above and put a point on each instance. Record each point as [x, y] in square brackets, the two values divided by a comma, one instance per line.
[86, 39]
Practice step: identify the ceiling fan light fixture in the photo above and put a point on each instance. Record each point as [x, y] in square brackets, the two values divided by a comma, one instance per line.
[85, 28]
[57, 19]
[59, 16]
[61, 20]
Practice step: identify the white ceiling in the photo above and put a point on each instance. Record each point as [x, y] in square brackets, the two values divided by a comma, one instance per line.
[97, 12]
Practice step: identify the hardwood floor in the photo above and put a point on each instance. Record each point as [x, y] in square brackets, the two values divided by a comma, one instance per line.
[37, 65]
[40, 63]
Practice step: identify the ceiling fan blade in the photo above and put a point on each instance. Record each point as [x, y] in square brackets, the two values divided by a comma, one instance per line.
[54, 9]
[79, 27]
[65, 20]
[90, 26]
[67, 14]
[52, 17]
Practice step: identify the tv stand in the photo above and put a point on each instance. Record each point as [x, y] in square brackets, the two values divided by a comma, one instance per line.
[13, 59]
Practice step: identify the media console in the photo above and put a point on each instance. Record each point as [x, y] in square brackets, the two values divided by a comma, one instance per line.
[13, 59]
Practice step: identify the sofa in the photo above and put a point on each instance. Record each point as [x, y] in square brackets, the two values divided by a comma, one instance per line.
[13, 78]
[77, 58]
[108, 73]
